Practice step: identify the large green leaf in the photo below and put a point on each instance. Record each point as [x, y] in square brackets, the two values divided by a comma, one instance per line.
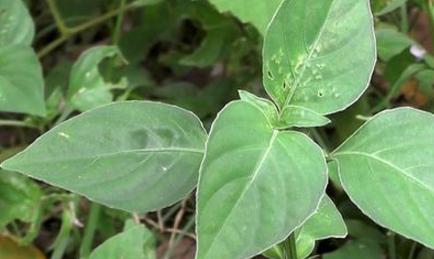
[16, 24]
[136, 242]
[21, 81]
[256, 184]
[257, 12]
[87, 88]
[319, 54]
[386, 168]
[136, 156]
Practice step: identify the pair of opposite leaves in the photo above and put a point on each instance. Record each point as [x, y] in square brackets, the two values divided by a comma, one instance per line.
[257, 184]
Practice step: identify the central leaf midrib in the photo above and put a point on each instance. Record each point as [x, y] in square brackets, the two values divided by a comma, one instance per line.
[154, 150]
[410, 177]
[247, 186]
[307, 60]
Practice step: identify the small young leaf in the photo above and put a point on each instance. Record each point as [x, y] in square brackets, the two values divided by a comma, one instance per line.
[16, 24]
[324, 64]
[133, 243]
[267, 107]
[386, 169]
[87, 88]
[296, 116]
[326, 223]
[256, 184]
[259, 12]
[136, 156]
[21, 81]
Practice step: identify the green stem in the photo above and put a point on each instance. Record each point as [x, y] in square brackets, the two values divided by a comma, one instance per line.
[62, 239]
[13, 123]
[391, 245]
[66, 112]
[290, 247]
[89, 232]
[412, 250]
[430, 10]
[67, 33]
[404, 18]
[116, 35]
[178, 239]
[64, 30]
[119, 20]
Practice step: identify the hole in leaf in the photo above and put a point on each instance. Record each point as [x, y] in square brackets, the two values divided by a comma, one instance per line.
[270, 75]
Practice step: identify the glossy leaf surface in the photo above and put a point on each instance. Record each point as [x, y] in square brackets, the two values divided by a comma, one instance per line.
[256, 184]
[387, 167]
[319, 54]
[135, 156]
[21, 81]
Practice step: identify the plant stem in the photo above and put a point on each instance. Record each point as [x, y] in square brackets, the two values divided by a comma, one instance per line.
[89, 232]
[66, 112]
[116, 36]
[391, 245]
[57, 17]
[118, 26]
[184, 230]
[290, 247]
[14, 123]
[412, 250]
[429, 7]
[404, 18]
[67, 33]
[62, 239]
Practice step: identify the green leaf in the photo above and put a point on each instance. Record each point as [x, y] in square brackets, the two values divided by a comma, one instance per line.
[19, 198]
[357, 250]
[212, 48]
[87, 88]
[256, 184]
[16, 24]
[21, 81]
[390, 43]
[128, 244]
[267, 107]
[258, 12]
[386, 169]
[383, 7]
[326, 223]
[324, 64]
[135, 156]
[296, 116]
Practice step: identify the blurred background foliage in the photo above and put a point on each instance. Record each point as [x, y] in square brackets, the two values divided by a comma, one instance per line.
[195, 54]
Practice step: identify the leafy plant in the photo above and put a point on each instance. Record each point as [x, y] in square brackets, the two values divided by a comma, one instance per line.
[261, 180]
